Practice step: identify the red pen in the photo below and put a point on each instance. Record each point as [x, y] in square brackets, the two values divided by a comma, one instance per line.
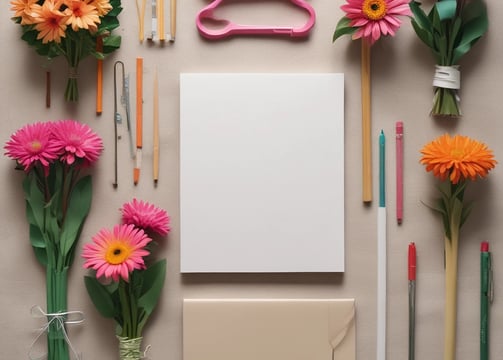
[412, 297]
[399, 171]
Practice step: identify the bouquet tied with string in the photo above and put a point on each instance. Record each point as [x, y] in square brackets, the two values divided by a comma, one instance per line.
[127, 281]
[450, 29]
[73, 29]
[55, 157]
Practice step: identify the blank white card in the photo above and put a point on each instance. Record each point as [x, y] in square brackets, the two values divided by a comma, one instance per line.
[262, 172]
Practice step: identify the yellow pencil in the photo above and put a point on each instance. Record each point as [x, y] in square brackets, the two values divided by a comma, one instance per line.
[366, 122]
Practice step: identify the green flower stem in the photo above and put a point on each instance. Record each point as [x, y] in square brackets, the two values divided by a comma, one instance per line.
[129, 305]
[126, 313]
[56, 287]
[445, 102]
[134, 310]
[73, 56]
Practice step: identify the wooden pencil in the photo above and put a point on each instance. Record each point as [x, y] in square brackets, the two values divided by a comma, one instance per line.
[366, 122]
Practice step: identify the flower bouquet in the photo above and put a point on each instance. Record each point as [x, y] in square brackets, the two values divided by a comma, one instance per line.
[127, 282]
[455, 161]
[58, 196]
[70, 28]
[450, 30]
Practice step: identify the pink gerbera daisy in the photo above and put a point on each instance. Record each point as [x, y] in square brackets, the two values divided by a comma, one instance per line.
[115, 253]
[77, 140]
[33, 144]
[374, 18]
[146, 216]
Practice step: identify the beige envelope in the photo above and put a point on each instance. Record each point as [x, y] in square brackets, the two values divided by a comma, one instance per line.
[265, 329]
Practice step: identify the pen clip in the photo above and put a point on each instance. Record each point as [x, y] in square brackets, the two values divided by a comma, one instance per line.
[128, 116]
[118, 117]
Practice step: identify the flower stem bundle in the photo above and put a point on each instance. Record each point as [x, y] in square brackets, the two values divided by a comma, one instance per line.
[450, 30]
[69, 28]
[58, 199]
[123, 255]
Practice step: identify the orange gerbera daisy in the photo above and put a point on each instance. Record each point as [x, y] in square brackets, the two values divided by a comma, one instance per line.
[50, 21]
[102, 6]
[23, 9]
[81, 15]
[458, 157]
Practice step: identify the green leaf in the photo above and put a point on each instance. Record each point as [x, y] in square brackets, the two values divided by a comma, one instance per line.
[454, 34]
[35, 203]
[446, 9]
[116, 4]
[435, 22]
[473, 10]
[457, 211]
[441, 42]
[41, 255]
[472, 32]
[108, 24]
[419, 16]
[78, 208]
[467, 209]
[37, 239]
[153, 281]
[111, 43]
[343, 28]
[30, 36]
[424, 35]
[101, 297]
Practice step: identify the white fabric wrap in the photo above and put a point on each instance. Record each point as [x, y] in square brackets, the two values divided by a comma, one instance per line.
[447, 77]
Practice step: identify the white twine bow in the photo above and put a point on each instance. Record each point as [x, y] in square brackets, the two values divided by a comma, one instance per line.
[145, 353]
[60, 319]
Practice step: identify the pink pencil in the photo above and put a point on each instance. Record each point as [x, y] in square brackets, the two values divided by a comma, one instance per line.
[399, 171]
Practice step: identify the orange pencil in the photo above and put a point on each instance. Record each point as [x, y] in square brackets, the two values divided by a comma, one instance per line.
[160, 20]
[139, 118]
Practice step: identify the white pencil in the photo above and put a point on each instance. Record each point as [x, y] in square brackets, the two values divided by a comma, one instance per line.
[381, 253]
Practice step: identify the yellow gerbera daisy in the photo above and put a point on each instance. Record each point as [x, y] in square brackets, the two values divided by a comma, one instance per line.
[81, 15]
[23, 9]
[458, 158]
[50, 21]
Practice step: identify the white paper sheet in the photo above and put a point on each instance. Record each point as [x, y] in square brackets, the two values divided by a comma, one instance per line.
[262, 172]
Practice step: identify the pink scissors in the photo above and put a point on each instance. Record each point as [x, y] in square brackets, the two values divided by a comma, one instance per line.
[230, 28]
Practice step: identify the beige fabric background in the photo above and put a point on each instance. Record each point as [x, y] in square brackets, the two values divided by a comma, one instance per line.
[402, 73]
